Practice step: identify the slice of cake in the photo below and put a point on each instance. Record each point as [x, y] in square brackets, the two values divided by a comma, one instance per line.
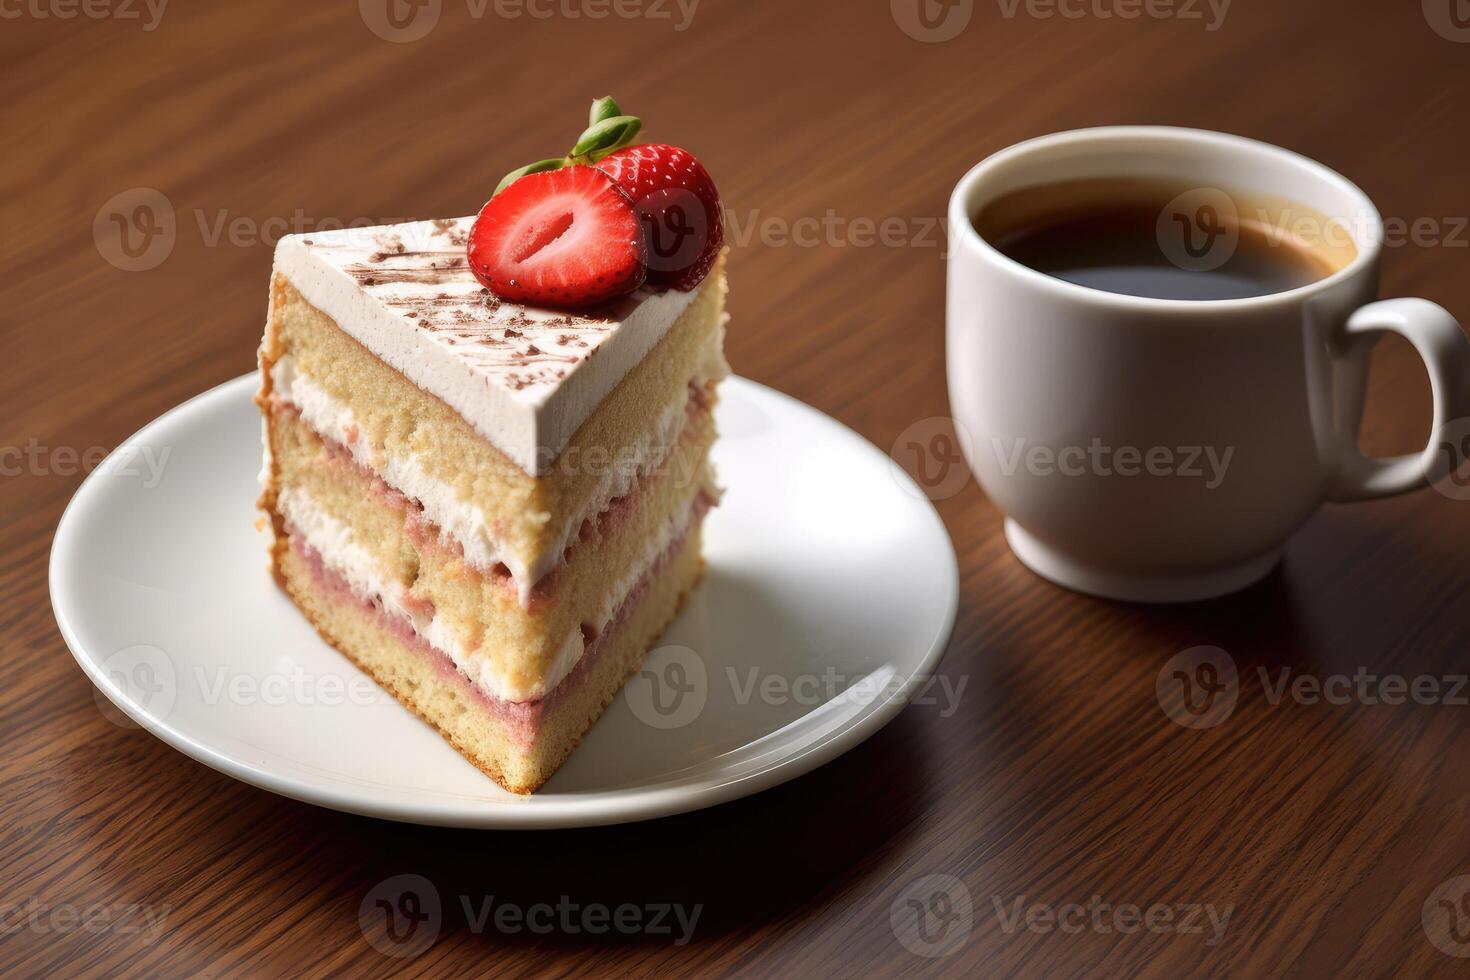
[487, 442]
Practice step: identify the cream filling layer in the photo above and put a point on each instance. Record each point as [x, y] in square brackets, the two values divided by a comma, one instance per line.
[335, 542]
[459, 521]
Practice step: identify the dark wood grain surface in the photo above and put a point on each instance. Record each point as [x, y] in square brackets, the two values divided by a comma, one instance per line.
[1059, 791]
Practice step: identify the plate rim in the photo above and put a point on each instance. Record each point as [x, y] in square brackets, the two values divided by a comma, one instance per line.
[581, 810]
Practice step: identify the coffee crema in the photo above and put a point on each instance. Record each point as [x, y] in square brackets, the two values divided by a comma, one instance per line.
[1165, 240]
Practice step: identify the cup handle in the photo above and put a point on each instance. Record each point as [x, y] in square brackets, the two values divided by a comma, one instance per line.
[1446, 353]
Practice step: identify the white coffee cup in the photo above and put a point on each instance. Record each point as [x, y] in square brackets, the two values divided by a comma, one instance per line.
[1082, 408]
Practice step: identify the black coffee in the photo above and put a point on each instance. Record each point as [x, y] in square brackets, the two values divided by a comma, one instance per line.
[1151, 238]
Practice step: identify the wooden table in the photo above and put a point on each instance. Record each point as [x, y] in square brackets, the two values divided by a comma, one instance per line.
[1059, 792]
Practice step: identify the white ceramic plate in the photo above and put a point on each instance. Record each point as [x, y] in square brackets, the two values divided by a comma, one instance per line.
[829, 594]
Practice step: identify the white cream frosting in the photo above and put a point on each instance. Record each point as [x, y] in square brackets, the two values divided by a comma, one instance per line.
[461, 522]
[525, 378]
[334, 541]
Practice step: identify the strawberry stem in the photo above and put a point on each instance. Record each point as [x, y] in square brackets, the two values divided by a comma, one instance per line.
[607, 132]
[607, 136]
[603, 108]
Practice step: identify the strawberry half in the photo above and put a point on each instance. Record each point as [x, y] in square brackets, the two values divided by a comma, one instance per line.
[679, 207]
[566, 238]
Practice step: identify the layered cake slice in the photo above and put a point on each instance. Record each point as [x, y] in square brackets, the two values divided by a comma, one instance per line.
[487, 442]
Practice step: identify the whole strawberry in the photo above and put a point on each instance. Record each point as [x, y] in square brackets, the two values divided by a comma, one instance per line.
[679, 207]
